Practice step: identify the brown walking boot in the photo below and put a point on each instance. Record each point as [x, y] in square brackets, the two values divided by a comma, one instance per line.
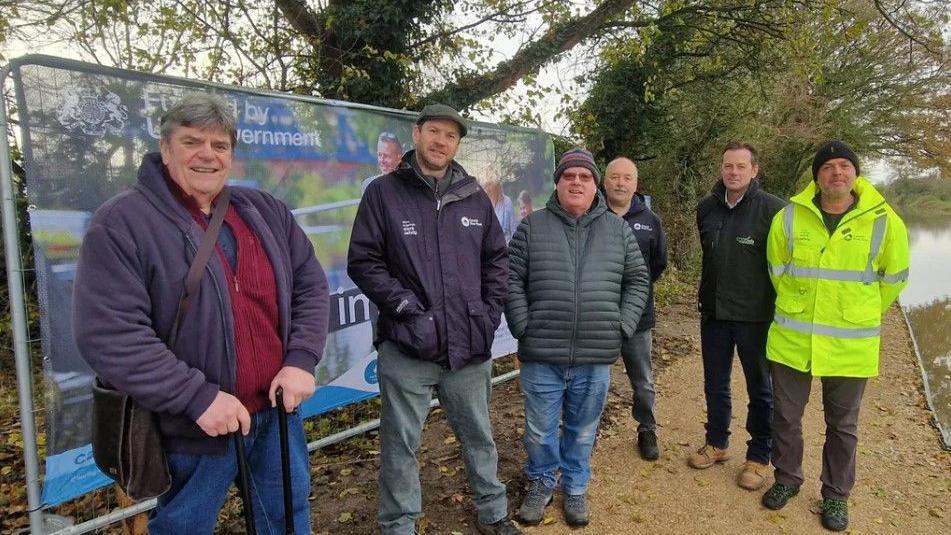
[753, 475]
[707, 456]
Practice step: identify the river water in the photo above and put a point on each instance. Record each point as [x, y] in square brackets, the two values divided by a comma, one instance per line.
[927, 305]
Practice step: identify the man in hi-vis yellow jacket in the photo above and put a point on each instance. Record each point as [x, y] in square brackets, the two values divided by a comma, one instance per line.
[838, 258]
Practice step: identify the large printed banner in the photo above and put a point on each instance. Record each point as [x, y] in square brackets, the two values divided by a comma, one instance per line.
[84, 130]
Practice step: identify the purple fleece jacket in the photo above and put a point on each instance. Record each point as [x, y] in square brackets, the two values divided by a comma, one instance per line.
[130, 278]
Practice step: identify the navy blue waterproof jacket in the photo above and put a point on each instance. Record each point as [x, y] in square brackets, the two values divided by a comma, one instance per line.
[436, 269]
[131, 276]
[653, 244]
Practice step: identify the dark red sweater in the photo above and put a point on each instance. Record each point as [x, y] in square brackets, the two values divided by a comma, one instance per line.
[260, 353]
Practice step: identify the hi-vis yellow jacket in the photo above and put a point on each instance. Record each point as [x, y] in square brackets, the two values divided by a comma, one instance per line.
[831, 290]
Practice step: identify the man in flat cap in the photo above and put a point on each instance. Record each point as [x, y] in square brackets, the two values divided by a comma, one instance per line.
[428, 251]
[838, 258]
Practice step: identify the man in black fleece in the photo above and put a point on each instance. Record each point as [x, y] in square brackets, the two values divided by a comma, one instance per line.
[736, 308]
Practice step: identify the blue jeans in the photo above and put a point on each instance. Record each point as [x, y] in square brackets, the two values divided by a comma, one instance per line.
[636, 352]
[406, 386]
[200, 483]
[718, 338]
[570, 395]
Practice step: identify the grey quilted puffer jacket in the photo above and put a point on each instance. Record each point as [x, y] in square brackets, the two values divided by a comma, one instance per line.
[576, 286]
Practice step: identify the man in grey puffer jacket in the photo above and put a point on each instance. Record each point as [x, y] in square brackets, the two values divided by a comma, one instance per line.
[577, 287]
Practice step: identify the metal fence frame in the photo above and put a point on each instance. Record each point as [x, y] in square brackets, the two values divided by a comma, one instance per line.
[21, 338]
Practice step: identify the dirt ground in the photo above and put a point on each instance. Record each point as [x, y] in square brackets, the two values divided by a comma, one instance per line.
[904, 476]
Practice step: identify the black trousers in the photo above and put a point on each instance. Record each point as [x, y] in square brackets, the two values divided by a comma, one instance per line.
[718, 340]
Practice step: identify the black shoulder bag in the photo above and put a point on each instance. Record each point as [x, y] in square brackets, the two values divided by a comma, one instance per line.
[126, 442]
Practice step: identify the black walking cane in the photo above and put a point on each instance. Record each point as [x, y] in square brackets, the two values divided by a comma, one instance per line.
[243, 487]
[285, 463]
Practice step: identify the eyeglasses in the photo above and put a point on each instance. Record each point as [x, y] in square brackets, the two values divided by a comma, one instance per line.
[583, 177]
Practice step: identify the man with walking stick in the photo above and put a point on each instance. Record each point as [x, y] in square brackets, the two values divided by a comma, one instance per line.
[256, 323]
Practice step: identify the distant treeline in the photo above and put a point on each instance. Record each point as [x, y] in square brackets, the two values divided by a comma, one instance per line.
[926, 197]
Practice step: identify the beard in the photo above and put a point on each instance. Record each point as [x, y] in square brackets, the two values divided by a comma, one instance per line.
[429, 164]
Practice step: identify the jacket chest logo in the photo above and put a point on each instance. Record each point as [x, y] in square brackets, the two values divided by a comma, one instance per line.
[745, 240]
[470, 222]
[409, 228]
[645, 228]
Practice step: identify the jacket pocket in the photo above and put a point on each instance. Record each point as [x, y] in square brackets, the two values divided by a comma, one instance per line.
[416, 335]
[788, 305]
[481, 333]
[862, 314]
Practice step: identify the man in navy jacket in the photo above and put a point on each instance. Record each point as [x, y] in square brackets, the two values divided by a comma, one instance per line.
[428, 251]
[620, 187]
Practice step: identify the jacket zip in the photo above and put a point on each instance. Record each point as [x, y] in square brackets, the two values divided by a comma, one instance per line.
[574, 330]
[232, 372]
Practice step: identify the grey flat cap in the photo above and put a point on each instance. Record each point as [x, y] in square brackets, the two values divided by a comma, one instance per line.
[442, 111]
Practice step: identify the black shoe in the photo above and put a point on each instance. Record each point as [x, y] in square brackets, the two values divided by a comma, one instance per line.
[647, 445]
[835, 514]
[778, 495]
[502, 527]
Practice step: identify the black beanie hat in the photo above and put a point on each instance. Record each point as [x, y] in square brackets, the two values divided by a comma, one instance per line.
[577, 157]
[830, 150]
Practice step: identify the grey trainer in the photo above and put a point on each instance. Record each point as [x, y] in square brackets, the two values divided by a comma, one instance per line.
[534, 503]
[576, 510]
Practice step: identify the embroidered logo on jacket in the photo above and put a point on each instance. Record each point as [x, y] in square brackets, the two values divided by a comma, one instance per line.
[639, 226]
[470, 222]
[745, 240]
[409, 228]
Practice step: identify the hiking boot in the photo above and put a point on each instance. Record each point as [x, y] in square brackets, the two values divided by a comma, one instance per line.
[647, 445]
[753, 475]
[707, 456]
[502, 527]
[778, 495]
[534, 503]
[835, 514]
[576, 510]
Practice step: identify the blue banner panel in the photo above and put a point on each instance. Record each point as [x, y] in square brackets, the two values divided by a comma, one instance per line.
[85, 129]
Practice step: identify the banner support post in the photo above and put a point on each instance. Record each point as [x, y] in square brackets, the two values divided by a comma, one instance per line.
[11, 244]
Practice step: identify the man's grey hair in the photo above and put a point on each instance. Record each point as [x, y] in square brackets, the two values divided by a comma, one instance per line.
[202, 111]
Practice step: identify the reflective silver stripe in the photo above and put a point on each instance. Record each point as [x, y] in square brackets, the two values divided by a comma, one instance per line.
[787, 228]
[778, 270]
[826, 330]
[878, 234]
[827, 273]
[895, 277]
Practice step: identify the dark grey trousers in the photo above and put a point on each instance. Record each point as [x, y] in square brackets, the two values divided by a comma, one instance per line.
[636, 352]
[841, 400]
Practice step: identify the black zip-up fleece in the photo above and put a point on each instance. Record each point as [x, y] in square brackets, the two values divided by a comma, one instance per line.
[734, 284]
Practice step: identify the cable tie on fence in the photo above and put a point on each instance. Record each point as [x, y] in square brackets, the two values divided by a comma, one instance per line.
[39, 507]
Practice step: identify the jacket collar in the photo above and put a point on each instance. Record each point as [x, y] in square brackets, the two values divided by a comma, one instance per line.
[638, 205]
[868, 197]
[598, 207]
[462, 184]
[159, 188]
[719, 191]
